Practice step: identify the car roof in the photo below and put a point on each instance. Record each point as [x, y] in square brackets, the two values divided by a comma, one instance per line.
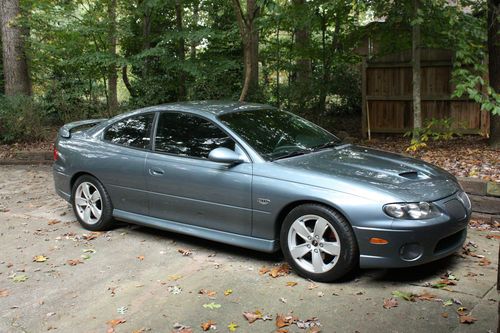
[216, 108]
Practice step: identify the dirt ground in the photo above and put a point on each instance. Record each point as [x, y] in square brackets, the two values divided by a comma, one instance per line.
[135, 279]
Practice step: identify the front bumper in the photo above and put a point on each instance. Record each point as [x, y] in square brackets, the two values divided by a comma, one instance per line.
[429, 240]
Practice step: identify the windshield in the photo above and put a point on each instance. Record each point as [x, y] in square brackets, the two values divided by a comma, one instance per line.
[276, 134]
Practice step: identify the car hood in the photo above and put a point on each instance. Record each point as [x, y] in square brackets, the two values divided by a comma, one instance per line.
[402, 177]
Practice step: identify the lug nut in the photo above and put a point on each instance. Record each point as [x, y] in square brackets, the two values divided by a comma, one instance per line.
[308, 246]
[316, 250]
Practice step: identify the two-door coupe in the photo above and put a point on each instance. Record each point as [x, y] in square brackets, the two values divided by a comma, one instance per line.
[256, 177]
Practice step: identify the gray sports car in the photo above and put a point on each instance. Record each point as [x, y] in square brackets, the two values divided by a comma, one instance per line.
[253, 176]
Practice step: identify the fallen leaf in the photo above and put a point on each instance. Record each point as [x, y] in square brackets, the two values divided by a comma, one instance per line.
[320, 294]
[91, 236]
[4, 293]
[282, 320]
[390, 303]
[283, 300]
[141, 258]
[174, 277]
[209, 293]
[232, 326]
[208, 325]
[308, 323]
[228, 292]
[52, 222]
[444, 314]
[40, 258]
[312, 285]
[465, 319]
[179, 328]
[282, 270]
[89, 251]
[291, 284]
[493, 236]
[185, 252]
[484, 262]
[211, 306]
[114, 322]
[404, 295]
[426, 296]
[448, 302]
[20, 278]
[252, 316]
[74, 262]
[174, 290]
[263, 270]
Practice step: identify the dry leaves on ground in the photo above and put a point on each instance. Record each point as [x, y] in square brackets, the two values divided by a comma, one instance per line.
[390, 303]
[113, 323]
[209, 293]
[484, 262]
[40, 258]
[91, 236]
[74, 262]
[256, 315]
[4, 293]
[277, 271]
[466, 319]
[185, 252]
[208, 325]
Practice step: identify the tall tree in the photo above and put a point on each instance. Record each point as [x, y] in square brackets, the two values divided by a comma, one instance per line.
[250, 38]
[181, 55]
[15, 63]
[494, 64]
[302, 45]
[416, 71]
[112, 74]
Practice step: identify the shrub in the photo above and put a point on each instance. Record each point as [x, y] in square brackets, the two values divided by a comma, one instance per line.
[21, 120]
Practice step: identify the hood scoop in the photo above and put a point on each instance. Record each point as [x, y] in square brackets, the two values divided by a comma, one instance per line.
[413, 175]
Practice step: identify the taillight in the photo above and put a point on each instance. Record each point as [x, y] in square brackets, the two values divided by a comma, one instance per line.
[56, 153]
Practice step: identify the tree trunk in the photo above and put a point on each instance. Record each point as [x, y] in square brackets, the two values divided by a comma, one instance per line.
[112, 74]
[126, 81]
[494, 64]
[250, 39]
[15, 64]
[417, 109]
[181, 55]
[302, 43]
[194, 42]
[146, 41]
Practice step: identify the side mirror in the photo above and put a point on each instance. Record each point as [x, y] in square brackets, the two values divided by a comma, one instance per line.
[225, 155]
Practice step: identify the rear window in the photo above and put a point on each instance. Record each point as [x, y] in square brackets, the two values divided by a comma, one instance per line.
[133, 132]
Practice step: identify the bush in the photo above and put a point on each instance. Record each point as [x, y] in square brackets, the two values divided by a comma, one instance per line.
[21, 120]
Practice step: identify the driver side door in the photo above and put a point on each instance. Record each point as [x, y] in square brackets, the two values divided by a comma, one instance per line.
[185, 186]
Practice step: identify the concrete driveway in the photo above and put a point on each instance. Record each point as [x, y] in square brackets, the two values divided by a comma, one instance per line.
[139, 278]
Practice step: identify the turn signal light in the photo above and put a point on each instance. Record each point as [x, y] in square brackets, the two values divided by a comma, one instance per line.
[56, 153]
[378, 241]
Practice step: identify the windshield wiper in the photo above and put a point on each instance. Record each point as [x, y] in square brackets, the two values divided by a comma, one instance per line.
[329, 144]
[292, 154]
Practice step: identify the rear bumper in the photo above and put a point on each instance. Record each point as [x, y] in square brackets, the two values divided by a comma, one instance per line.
[62, 183]
[433, 239]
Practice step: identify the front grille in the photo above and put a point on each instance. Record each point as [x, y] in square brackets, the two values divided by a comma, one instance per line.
[450, 242]
[455, 209]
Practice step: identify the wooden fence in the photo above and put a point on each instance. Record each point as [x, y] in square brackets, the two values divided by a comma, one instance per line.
[387, 94]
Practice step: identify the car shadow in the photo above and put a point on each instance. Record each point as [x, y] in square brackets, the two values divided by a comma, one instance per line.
[407, 275]
[208, 245]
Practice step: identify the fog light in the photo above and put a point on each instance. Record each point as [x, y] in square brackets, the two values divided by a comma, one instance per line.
[411, 251]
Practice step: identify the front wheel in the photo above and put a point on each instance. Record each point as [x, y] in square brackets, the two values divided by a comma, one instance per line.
[91, 204]
[318, 243]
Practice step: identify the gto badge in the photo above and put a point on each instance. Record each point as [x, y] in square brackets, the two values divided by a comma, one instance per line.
[263, 201]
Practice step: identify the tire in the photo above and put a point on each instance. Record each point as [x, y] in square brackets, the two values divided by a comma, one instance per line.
[322, 242]
[91, 204]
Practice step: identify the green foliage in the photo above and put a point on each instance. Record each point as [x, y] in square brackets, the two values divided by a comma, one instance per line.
[435, 129]
[20, 120]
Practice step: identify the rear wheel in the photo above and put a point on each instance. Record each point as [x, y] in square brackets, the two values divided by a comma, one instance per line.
[318, 243]
[91, 204]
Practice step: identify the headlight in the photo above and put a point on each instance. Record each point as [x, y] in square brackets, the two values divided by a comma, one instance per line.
[412, 211]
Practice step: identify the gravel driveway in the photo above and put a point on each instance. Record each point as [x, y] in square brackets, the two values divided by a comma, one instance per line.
[135, 279]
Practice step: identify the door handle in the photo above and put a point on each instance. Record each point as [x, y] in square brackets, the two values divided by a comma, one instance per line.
[156, 172]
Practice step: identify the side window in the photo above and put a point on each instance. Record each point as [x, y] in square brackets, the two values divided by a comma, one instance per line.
[132, 132]
[188, 135]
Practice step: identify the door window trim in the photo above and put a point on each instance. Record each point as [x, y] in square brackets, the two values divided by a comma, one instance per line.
[149, 146]
[154, 131]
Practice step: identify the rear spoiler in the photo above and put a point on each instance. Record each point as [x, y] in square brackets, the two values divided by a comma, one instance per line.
[65, 131]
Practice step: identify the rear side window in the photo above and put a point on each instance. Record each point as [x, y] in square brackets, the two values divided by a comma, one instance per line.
[131, 132]
[188, 135]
